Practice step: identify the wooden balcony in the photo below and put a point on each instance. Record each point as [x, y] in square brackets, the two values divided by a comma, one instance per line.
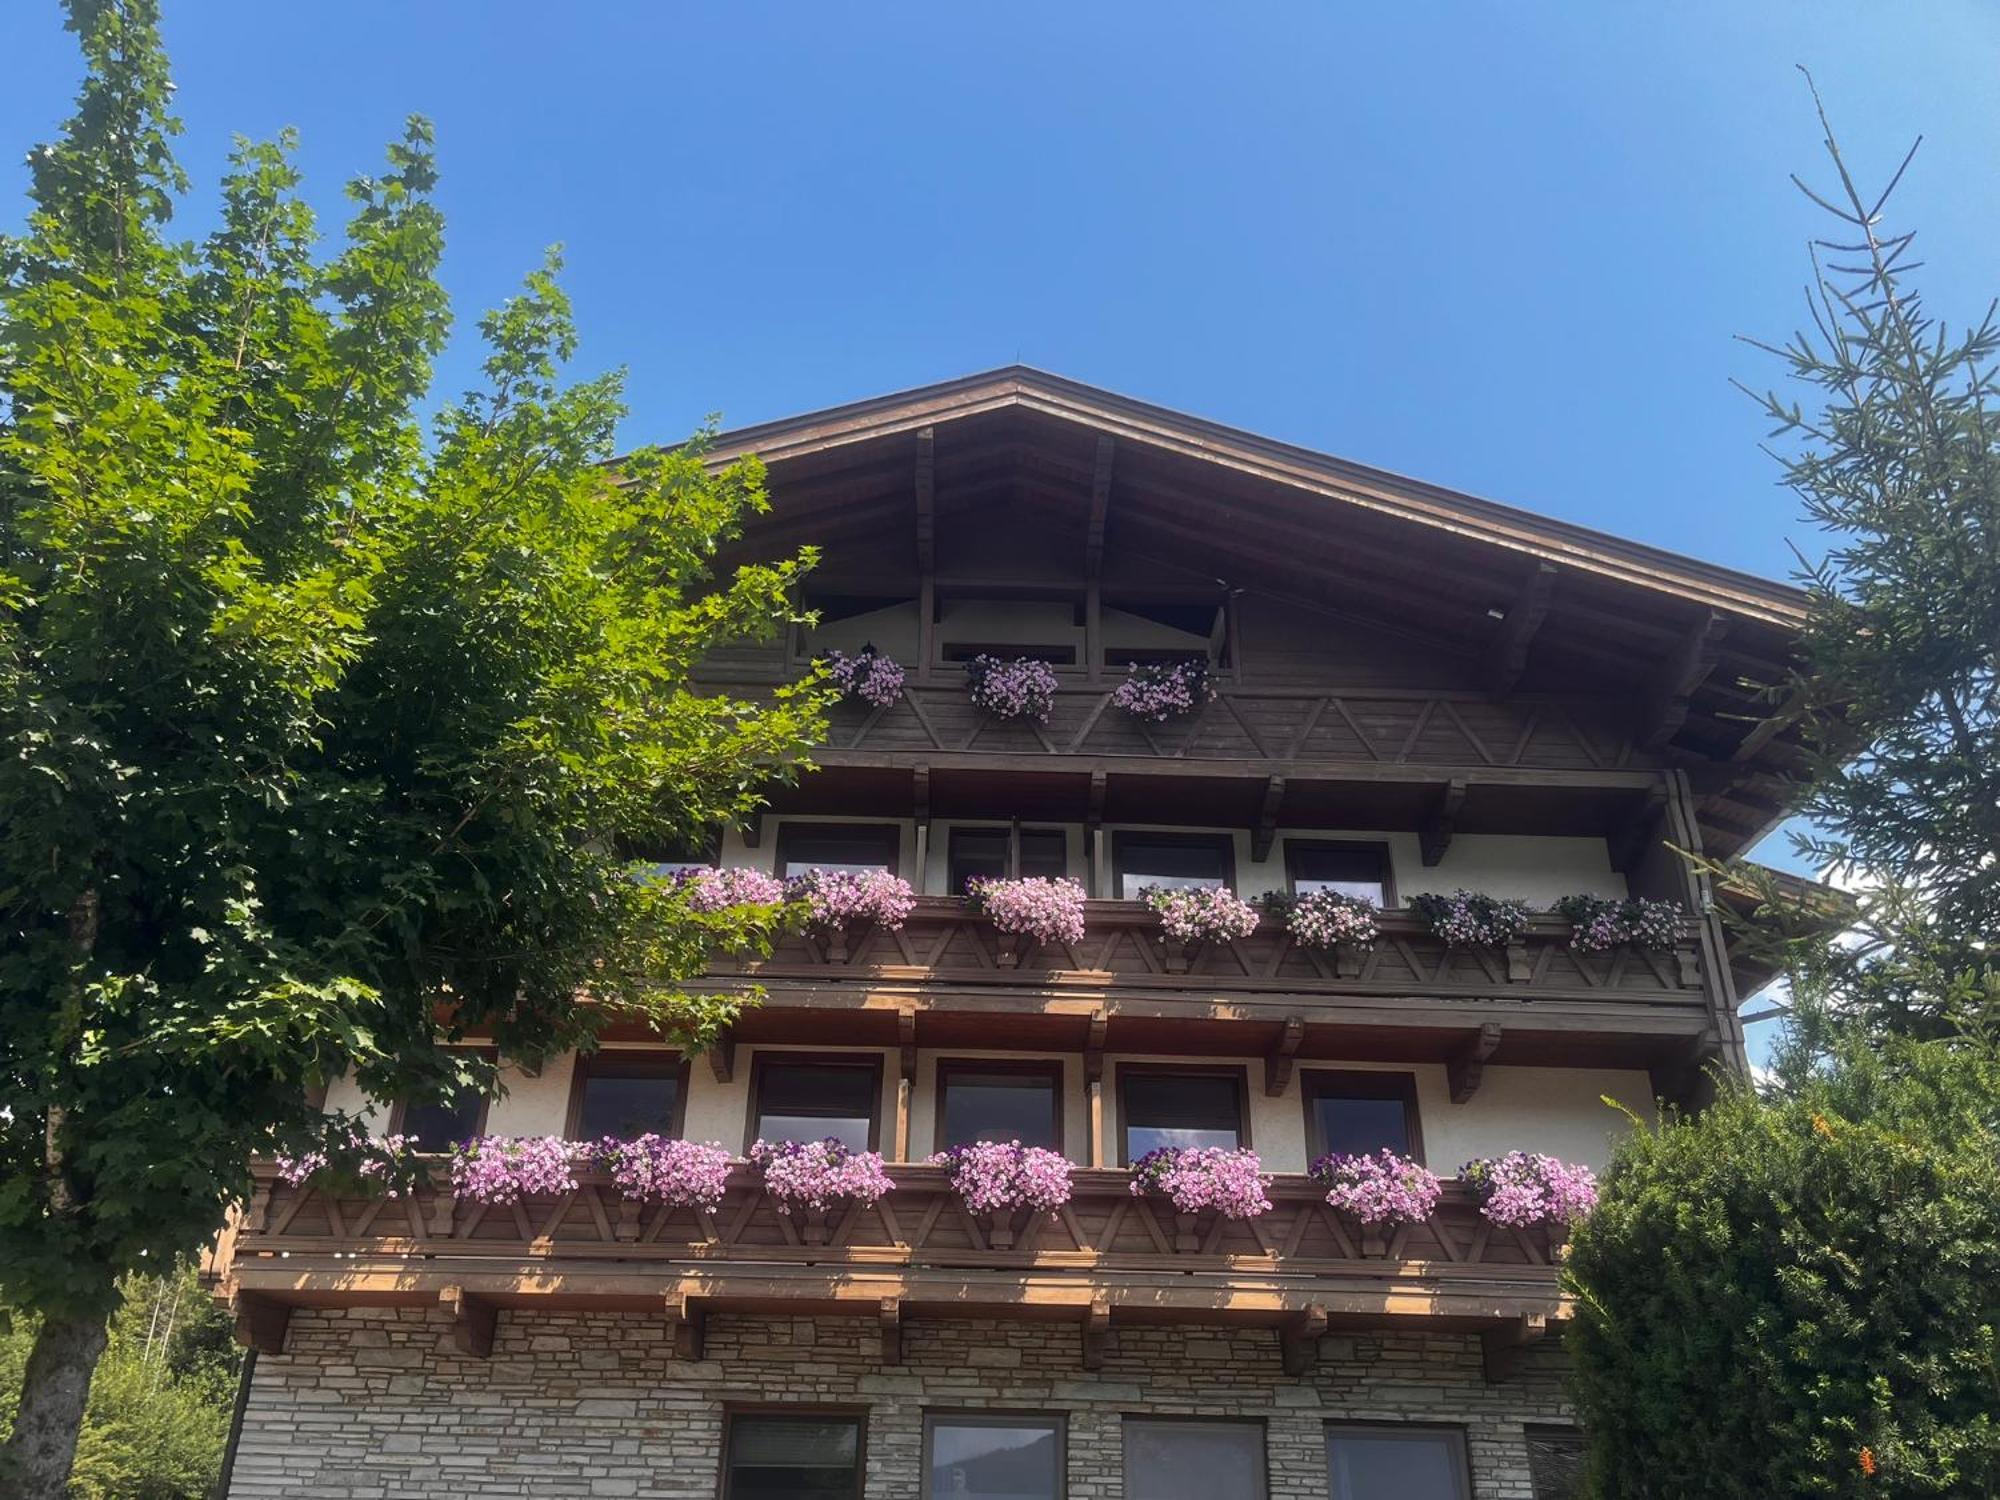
[917, 1252]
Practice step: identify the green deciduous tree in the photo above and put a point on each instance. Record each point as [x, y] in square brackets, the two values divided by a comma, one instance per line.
[321, 743]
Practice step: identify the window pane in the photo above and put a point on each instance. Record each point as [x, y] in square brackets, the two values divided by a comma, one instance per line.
[627, 1099]
[1180, 1109]
[804, 847]
[1044, 853]
[1395, 1466]
[812, 1101]
[977, 853]
[1352, 872]
[1194, 1460]
[1555, 1462]
[794, 1458]
[1361, 1127]
[1171, 865]
[998, 1106]
[994, 1460]
[439, 1127]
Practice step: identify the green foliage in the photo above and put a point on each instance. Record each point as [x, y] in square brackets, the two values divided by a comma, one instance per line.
[160, 1405]
[322, 739]
[1770, 1289]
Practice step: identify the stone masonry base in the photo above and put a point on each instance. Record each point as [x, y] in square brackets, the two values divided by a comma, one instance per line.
[376, 1404]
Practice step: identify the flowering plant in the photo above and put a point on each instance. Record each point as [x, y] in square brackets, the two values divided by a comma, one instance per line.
[503, 1168]
[869, 675]
[1049, 911]
[837, 899]
[1597, 924]
[713, 890]
[1521, 1189]
[994, 1177]
[656, 1169]
[348, 1157]
[1324, 919]
[815, 1175]
[1196, 1178]
[1381, 1189]
[1201, 914]
[1164, 690]
[1469, 919]
[1023, 688]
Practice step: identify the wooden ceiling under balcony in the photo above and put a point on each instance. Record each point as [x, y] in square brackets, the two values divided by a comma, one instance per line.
[910, 486]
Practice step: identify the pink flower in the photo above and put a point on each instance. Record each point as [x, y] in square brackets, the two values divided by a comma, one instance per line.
[1325, 919]
[1020, 689]
[716, 890]
[656, 1169]
[842, 898]
[1049, 911]
[1468, 919]
[1163, 690]
[868, 675]
[1197, 1178]
[347, 1156]
[1381, 1189]
[504, 1169]
[1204, 914]
[1521, 1189]
[816, 1175]
[993, 1177]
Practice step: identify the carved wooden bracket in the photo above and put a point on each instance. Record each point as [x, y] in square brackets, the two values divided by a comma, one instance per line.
[1094, 815]
[473, 1321]
[722, 1055]
[1267, 819]
[1096, 1331]
[1298, 1340]
[1443, 822]
[890, 1316]
[1683, 1080]
[1278, 1066]
[1465, 1070]
[1507, 657]
[1640, 832]
[1665, 706]
[906, 1042]
[1501, 1347]
[753, 830]
[1093, 1049]
[260, 1323]
[688, 1320]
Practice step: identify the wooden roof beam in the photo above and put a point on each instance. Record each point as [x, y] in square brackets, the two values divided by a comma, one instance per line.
[1507, 657]
[926, 500]
[1665, 706]
[1100, 506]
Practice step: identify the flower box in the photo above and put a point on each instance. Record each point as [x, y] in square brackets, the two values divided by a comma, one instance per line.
[1033, 911]
[1195, 916]
[1023, 688]
[1159, 691]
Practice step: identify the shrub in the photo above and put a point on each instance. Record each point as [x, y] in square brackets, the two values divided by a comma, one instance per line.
[1466, 919]
[1204, 914]
[1023, 688]
[1195, 1179]
[993, 1177]
[1049, 911]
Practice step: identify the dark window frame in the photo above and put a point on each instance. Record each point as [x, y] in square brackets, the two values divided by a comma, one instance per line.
[1196, 1419]
[765, 1060]
[1358, 1083]
[1378, 847]
[889, 835]
[400, 1107]
[1462, 1469]
[732, 1411]
[1050, 1068]
[659, 1064]
[1122, 839]
[1237, 1073]
[1058, 655]
[1013, 834]
[987, 1416]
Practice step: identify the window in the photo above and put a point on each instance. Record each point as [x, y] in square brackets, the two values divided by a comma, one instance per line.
[700, 852]
[1055, 656]
[1358, 1114]
[1172, 860]
[1167, 1106]
[812, 1101]
[1397, 1463]
[1350, 869]
[993, 1456]
[1556, 1463]
[626, 1094]
[837, 846]
[1193, 1460]
[438, 1125]
[808, 1456]
[991, 853]
[999, 1101]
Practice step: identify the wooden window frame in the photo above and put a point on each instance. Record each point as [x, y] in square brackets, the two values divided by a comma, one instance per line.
[1044, 1067]
[1198, 1419]
[733, 1410]
[666, 1065]
[1009, 651]
[1463, 1469]
[890, 834]
[1014, 832]
[1237, 1073]
[400, 1106]
[1123, 838]
[986, 1416]
[765, 1060]
[1378, 847]
[1360, 1083]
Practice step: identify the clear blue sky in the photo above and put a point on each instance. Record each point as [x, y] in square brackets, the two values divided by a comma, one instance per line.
[1502, 247]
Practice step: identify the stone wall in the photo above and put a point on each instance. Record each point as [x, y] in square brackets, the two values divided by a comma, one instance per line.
[376, 1404]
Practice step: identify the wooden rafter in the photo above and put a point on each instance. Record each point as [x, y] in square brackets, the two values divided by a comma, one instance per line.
[1507, 657]
[1100, 506]
[1665, 705]
[926, 485]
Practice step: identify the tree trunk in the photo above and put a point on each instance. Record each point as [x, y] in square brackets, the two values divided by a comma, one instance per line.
[37, 1457]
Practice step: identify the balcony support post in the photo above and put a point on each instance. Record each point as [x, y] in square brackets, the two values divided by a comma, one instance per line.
[1298, 1340]
[473, 1321]
[1093, 1074]
[906, 1077]
[920, 808]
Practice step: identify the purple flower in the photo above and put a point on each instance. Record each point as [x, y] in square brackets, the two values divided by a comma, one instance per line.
[1521, 1189]
[715, 890]
[504, 1169]
[816, 1175]
[1598, 924]
[1208, 1177]
[1201, 914]
[1020, 689]
[836, 899]
[868, 675]
[1467, 919]
[992, 1177]
[1049, 911]
[1381, 1189]
[347, 1156]
[1159, 691]
[656, 1169]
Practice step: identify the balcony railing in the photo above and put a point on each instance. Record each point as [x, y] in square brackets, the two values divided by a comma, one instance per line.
[1121, 948]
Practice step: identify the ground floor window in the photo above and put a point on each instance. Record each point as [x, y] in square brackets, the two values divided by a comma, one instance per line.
[1397, 1463]
[791, 1456]
[992, 1456]
[1189, 1460]
[1555, 1462]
